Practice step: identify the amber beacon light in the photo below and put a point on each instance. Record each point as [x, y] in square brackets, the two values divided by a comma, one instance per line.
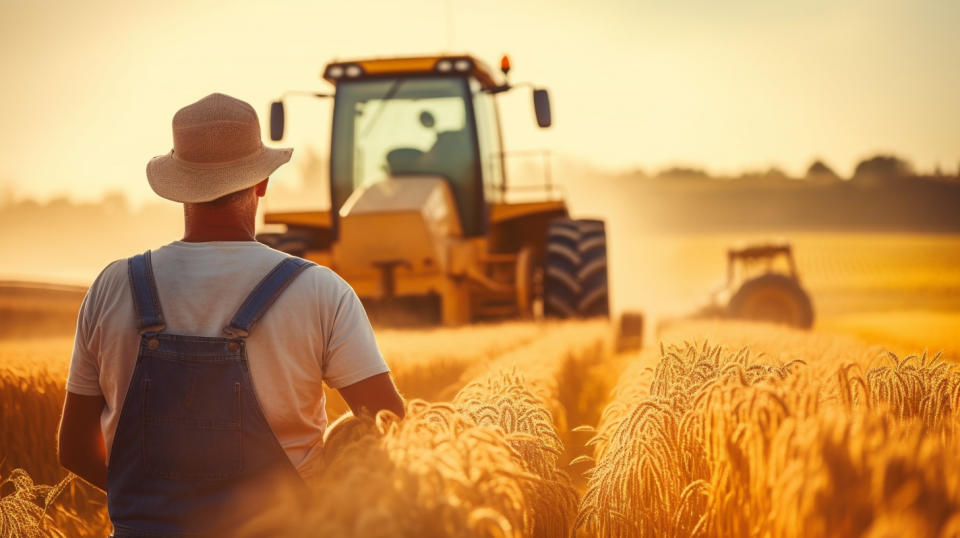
[505, 64]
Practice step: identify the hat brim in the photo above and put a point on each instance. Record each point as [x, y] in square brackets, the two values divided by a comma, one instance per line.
[175, 180]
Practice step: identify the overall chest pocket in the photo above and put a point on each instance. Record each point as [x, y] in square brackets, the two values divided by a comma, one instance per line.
[192, 421]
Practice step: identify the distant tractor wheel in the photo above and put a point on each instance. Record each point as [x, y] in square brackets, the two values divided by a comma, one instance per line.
[575, 269]
[773, 297]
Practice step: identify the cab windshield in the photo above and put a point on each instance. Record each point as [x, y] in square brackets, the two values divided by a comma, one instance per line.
[411, 126]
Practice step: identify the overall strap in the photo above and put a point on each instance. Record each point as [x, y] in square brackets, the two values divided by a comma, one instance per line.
[143, 287]
[263, 296]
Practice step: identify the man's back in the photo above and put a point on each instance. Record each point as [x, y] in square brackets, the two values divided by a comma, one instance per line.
[315, 332]
[207, 389]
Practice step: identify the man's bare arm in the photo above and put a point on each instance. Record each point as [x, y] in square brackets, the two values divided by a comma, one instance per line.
[80, 447]
[373, 394]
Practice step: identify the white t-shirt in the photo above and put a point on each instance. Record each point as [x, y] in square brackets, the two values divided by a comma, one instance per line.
[316, 331]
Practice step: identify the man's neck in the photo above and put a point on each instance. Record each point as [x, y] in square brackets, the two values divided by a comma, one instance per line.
[209, 234]
[231, 222]
[204, 226]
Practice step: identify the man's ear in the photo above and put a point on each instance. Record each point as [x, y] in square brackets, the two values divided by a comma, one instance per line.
[261, 188]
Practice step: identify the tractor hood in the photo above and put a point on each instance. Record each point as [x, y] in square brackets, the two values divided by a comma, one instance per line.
[409, 221]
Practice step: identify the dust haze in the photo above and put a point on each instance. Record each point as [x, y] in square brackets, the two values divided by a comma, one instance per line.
[667, 230]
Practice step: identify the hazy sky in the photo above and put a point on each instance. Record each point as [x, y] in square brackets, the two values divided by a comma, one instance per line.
[89, 88]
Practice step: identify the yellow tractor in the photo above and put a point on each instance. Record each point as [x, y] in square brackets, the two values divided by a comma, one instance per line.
[762, 285]
[423, 222]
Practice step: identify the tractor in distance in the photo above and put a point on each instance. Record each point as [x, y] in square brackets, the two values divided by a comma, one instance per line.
[762, 285]
[423, 223]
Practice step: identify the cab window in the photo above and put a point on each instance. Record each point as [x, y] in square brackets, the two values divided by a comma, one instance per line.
[405, 127]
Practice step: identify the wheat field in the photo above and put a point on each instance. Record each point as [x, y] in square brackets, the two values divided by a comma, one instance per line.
[715, 428]
[776, 433]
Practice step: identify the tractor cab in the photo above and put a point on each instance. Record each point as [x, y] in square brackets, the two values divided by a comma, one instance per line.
[417, 118]
[745, 262]
[419, 218]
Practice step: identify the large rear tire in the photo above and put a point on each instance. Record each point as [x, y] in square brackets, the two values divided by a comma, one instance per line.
[575, 270]
[775, 298]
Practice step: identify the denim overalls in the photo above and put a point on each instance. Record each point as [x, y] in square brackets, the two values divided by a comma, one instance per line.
[193, 454]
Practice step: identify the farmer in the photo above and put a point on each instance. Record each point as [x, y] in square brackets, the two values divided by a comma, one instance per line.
[194, 395]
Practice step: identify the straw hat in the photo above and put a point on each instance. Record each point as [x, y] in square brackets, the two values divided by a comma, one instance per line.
[216, 150]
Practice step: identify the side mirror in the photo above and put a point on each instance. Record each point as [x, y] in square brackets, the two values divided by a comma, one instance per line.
[276, 121]
[541, 105]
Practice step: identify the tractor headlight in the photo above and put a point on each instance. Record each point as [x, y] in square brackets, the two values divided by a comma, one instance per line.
[444, 66]
[463, 65]
[340, 70]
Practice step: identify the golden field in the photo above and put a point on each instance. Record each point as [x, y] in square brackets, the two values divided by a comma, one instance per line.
[716, 428]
